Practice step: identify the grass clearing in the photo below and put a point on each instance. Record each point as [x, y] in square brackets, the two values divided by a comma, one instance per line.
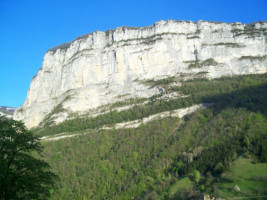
[181, 185]
[249, 176]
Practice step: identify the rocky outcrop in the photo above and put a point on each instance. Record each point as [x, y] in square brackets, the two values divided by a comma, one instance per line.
[103, 67]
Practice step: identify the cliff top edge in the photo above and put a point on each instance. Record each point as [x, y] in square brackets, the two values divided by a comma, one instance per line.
[111, 31]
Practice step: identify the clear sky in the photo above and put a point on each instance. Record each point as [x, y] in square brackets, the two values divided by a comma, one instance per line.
[28, 28]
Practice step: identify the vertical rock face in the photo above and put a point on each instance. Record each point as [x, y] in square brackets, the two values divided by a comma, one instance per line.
[98, 68]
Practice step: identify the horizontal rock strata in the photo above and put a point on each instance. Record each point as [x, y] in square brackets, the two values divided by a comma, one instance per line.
[103, 67]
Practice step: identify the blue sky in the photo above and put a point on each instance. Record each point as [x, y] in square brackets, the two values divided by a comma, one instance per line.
[29, 27]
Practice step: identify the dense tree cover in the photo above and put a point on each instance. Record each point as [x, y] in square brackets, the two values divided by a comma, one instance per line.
[259, 147]
[22, 176]
[240, 132]
[122, 164]
[215, 159]
[247, 90]
[144, 163]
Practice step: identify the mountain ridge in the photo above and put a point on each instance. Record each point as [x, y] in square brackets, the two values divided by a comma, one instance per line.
[67, 44]
[7, 111]
[99, 69]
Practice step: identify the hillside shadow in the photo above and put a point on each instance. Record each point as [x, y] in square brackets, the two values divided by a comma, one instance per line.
[251, 98]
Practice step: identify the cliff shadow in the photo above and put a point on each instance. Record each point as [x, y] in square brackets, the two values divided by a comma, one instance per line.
[252, 98]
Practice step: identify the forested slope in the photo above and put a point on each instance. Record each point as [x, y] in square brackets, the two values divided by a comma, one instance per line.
[158, 160]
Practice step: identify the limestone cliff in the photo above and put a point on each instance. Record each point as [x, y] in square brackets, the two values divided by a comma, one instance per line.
[102, 67]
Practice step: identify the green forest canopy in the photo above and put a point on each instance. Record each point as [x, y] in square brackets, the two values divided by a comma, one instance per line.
[153, 160]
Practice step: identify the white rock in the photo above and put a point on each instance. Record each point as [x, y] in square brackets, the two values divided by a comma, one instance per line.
[95, 69]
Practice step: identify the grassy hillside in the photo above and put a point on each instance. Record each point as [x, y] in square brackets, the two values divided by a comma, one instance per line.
[247, 175]
[157, 160]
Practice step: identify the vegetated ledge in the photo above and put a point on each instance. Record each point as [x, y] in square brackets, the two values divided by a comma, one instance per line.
[225, 44]
[260, 58]
[200, 64]
[143, 40]
[66, 45]
[180, 113]
[249, 29]
[200, 90]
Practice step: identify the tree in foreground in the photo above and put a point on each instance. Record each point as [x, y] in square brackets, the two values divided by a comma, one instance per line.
[22, 176]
